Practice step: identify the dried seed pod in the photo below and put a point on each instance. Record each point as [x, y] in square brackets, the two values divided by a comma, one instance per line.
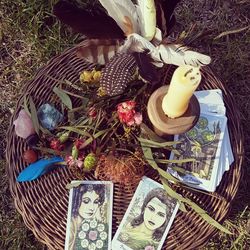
[117, 74]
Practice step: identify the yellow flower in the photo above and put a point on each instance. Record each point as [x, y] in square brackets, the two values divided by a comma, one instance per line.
[92, 76]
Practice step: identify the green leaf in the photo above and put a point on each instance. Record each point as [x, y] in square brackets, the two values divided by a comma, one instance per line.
[76, 130]
[149, 157]
[98, 134]
[73, 184]
[154, 144]
[63, 96]
[195, 207]
[167, 175]
[34, 117]
[176, 161]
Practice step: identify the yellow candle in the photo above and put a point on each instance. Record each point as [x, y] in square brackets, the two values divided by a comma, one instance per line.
[184, 82]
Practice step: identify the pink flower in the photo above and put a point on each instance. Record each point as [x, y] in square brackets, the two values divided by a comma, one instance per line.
[92, 235]
[127, 114]
[71, 162]
[149, 248]
[138, 118]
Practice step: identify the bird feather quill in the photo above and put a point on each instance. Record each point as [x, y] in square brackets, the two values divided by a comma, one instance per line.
[118, 11]
[98, 51]
[179, 55]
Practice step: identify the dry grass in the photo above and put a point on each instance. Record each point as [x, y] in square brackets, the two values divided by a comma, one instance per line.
[30, 35]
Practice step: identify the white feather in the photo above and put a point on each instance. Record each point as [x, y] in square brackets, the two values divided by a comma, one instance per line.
[118, 10]
[129, 10]
[136, 43]
[179, 55]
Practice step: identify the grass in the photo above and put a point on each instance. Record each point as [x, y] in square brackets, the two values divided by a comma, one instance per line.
[30, 35]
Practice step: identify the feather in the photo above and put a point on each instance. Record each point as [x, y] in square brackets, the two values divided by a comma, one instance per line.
[146, 12]
[179, 55]
[97, 25]
[98, 50]
[146, 69]
[129, 10]
[117, 74]
[136, 43]
[38, 168]
[118, 11]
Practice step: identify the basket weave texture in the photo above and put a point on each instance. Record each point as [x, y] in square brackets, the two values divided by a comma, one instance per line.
[43, 203]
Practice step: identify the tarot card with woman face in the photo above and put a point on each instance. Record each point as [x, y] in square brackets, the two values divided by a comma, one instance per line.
[89, 222]
[147, 220]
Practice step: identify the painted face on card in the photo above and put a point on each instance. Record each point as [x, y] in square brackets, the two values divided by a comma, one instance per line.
[89, 205]
[155, 214]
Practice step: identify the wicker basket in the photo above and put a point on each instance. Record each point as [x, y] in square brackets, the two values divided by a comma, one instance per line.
[43, 203]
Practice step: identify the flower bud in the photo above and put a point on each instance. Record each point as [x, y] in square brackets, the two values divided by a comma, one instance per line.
[89, 162]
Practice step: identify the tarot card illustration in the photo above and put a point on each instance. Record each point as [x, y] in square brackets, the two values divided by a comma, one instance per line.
[89, 221]
[147, 220]
[204, 144]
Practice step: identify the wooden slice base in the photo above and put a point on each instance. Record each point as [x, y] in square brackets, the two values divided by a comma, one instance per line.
[164, 125]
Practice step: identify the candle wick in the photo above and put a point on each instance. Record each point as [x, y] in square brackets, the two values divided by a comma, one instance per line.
[188, 72]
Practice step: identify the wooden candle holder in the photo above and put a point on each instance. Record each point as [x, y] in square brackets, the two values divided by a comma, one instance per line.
[164, 125]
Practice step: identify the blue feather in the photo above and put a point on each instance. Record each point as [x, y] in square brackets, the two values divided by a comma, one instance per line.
[38, 168]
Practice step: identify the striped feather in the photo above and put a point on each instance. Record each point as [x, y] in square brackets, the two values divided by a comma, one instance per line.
[98, 51]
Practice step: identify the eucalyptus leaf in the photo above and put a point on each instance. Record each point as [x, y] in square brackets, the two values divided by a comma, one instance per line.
[175, 161]
[154, 144]
[73, 184]
[63, 96]
[33, 113]
[95, 136]
[195, 207]
[76, 130]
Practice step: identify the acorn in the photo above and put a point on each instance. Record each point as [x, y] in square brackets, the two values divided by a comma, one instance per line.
[30, 156]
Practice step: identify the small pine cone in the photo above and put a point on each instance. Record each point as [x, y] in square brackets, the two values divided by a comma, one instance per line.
[117, 73]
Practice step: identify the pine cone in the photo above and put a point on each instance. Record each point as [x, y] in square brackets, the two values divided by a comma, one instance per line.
[117, 74]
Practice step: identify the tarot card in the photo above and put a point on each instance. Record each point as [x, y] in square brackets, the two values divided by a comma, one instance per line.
[211, 101]
[203, 143]
[148, 218]
[89, 221]
[212, 96]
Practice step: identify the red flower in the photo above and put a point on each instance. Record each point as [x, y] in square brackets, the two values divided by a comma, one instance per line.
[127, 113]
[56, 144]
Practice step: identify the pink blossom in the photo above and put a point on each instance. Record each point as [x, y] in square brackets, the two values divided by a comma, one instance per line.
[126, 113]
[138, 118]
[92, 235]
[71, 162]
